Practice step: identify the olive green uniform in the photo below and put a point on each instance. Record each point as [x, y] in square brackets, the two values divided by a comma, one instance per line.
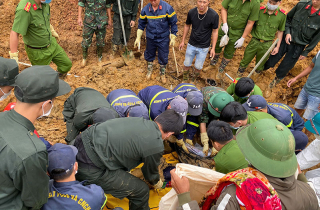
[129, 10]
[33, 23]
[238, 15]
[24, 159]
[263, 33]
[109, 150]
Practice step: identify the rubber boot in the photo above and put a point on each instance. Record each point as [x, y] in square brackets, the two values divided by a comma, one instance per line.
[223, 65]
[163, 73]
[241, 70]
[150, 68]
[99, 53]
[114, 49]
[274, 82]
[214, 60]
[84, 56]
[196, 74]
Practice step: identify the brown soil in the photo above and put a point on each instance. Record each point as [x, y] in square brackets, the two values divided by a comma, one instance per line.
[131, 76]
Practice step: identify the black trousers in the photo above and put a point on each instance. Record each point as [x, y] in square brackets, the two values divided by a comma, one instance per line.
[292, 53]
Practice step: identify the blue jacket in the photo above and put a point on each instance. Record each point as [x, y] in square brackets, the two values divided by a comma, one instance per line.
[286, 115]
[158, 23]
[156, 98]
[122, 99]
[74, 195]
[183, 89]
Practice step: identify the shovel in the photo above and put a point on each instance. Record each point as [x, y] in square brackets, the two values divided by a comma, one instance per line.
[138, 53]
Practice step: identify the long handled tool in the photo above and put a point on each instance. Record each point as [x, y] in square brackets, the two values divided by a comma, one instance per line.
[175, 60]
[26, 64]
[126, 53]
[233, 80]
[263, 57]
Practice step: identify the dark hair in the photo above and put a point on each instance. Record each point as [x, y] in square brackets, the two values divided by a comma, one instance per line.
[219, 131]
[170, 121]
[60, 174]
[275, 0]
[244, 86]
[233, 112]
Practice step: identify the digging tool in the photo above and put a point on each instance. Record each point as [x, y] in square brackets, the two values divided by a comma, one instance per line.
[263, 57]
[175, 60]
[141, 5]
[233, 80]
[138, 53]
[26, 64]
[127, 52]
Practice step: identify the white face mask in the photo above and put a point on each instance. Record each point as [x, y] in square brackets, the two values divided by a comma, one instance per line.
[5, 95]
[45, 114]
[272, 7]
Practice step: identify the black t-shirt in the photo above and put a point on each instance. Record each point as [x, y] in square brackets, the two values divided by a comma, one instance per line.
[202, 29]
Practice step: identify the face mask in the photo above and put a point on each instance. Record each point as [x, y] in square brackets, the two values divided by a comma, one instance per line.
[45, 114]
[316, 136]
[5, 95]
[272, 7]
[244, 97]
[46, 2]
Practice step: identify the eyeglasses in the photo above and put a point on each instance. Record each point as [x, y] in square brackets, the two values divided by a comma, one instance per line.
[215, 109]
[314, 127]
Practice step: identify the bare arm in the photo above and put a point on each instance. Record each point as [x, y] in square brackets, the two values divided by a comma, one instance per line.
[276, 49]
[80, 16]
[214, 42]
[109, 13]
[14, 41]
[203, 128]
[248, 28]
[302, 74]
[186, 29]
[224, 15]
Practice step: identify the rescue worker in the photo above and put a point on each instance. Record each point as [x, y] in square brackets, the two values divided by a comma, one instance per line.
[195, 99]
[271, 21]
[204, 22]
[127, 103]
[269, 181]
[161, 21]
[32, 21]
[302, 25]
[86, 106]
[214, 100]
[158, 99]
[64, 191]
[129, 10]
[8, 71]
[95, 21]
[109, 150]
[24, 157]
[285, 114]
[238, 18]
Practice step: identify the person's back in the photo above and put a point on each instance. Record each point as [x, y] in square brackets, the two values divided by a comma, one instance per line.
[255, 116]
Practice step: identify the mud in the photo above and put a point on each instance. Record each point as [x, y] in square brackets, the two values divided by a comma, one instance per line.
[114, 73]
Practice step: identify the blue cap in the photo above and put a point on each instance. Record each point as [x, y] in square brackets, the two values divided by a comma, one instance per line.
[195, 103]
[138, 111]
[103, 114]
[180, 105]
[313, 125]
[61, 156]
[255, 102]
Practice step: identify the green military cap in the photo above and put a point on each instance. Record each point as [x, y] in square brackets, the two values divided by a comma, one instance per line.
[218, 101]
[39, 83]
[270, 147]
[8, 71]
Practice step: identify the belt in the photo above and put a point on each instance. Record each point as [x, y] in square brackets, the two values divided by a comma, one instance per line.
[39, 48]
[262, 41]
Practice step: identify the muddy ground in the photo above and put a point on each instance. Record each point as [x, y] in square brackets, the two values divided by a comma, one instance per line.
[132, 76]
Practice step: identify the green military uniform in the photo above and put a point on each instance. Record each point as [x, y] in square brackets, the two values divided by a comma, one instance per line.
[33, 23]
[263, 33]
[238, 15]
[230, 158]
[129, 13]
[231, 91]
[95, 21]
[79, 108]
[108, 151]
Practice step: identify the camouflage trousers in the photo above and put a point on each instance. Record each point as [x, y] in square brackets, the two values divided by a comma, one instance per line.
[117, 38]
[88, 34]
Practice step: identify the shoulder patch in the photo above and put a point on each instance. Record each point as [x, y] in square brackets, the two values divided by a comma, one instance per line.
[27, 7]
[262, 7]
[283, 11]
[35, 7]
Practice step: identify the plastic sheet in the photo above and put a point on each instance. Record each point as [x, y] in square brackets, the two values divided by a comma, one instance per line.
[224, 41]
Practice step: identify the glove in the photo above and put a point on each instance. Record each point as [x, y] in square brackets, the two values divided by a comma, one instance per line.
[138, 39]
[54, 33]
[204, 141]
[158, 185]
[239, 43]
[213, 151]
[181, 143]
[14, 56]
[189, 141]
[225, 28]
[172, 40]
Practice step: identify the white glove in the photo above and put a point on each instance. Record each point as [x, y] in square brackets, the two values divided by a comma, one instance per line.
[158, 185]
[225, 28]
[239, 43]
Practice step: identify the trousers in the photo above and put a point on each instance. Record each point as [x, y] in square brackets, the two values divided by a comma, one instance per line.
[87, 35]
[117, 37]
[160, 44]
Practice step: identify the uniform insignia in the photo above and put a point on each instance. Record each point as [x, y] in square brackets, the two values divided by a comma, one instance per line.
[283, 11]
[160, 7]
[27, 7]
[276, 13]
[264, 10]
[319, 13]
[35, 7]
[262, 7]
[307, 7]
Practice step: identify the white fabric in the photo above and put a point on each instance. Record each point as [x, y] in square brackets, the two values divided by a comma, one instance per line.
[225, 28]
[200, 179]
[224, 41]
[310, 156]
[186, 206]
[318, 54]
[239, 42]
[224, 202]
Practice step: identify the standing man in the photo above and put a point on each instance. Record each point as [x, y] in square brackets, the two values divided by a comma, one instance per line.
[271, 21]
[238, 18]
[23, 155]
[32, 21]
[302, 29]
[161, 21]
[95, 21]
[309, 97]
[129, 13]
[109, 150]
[8, 71]
[204, 22]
